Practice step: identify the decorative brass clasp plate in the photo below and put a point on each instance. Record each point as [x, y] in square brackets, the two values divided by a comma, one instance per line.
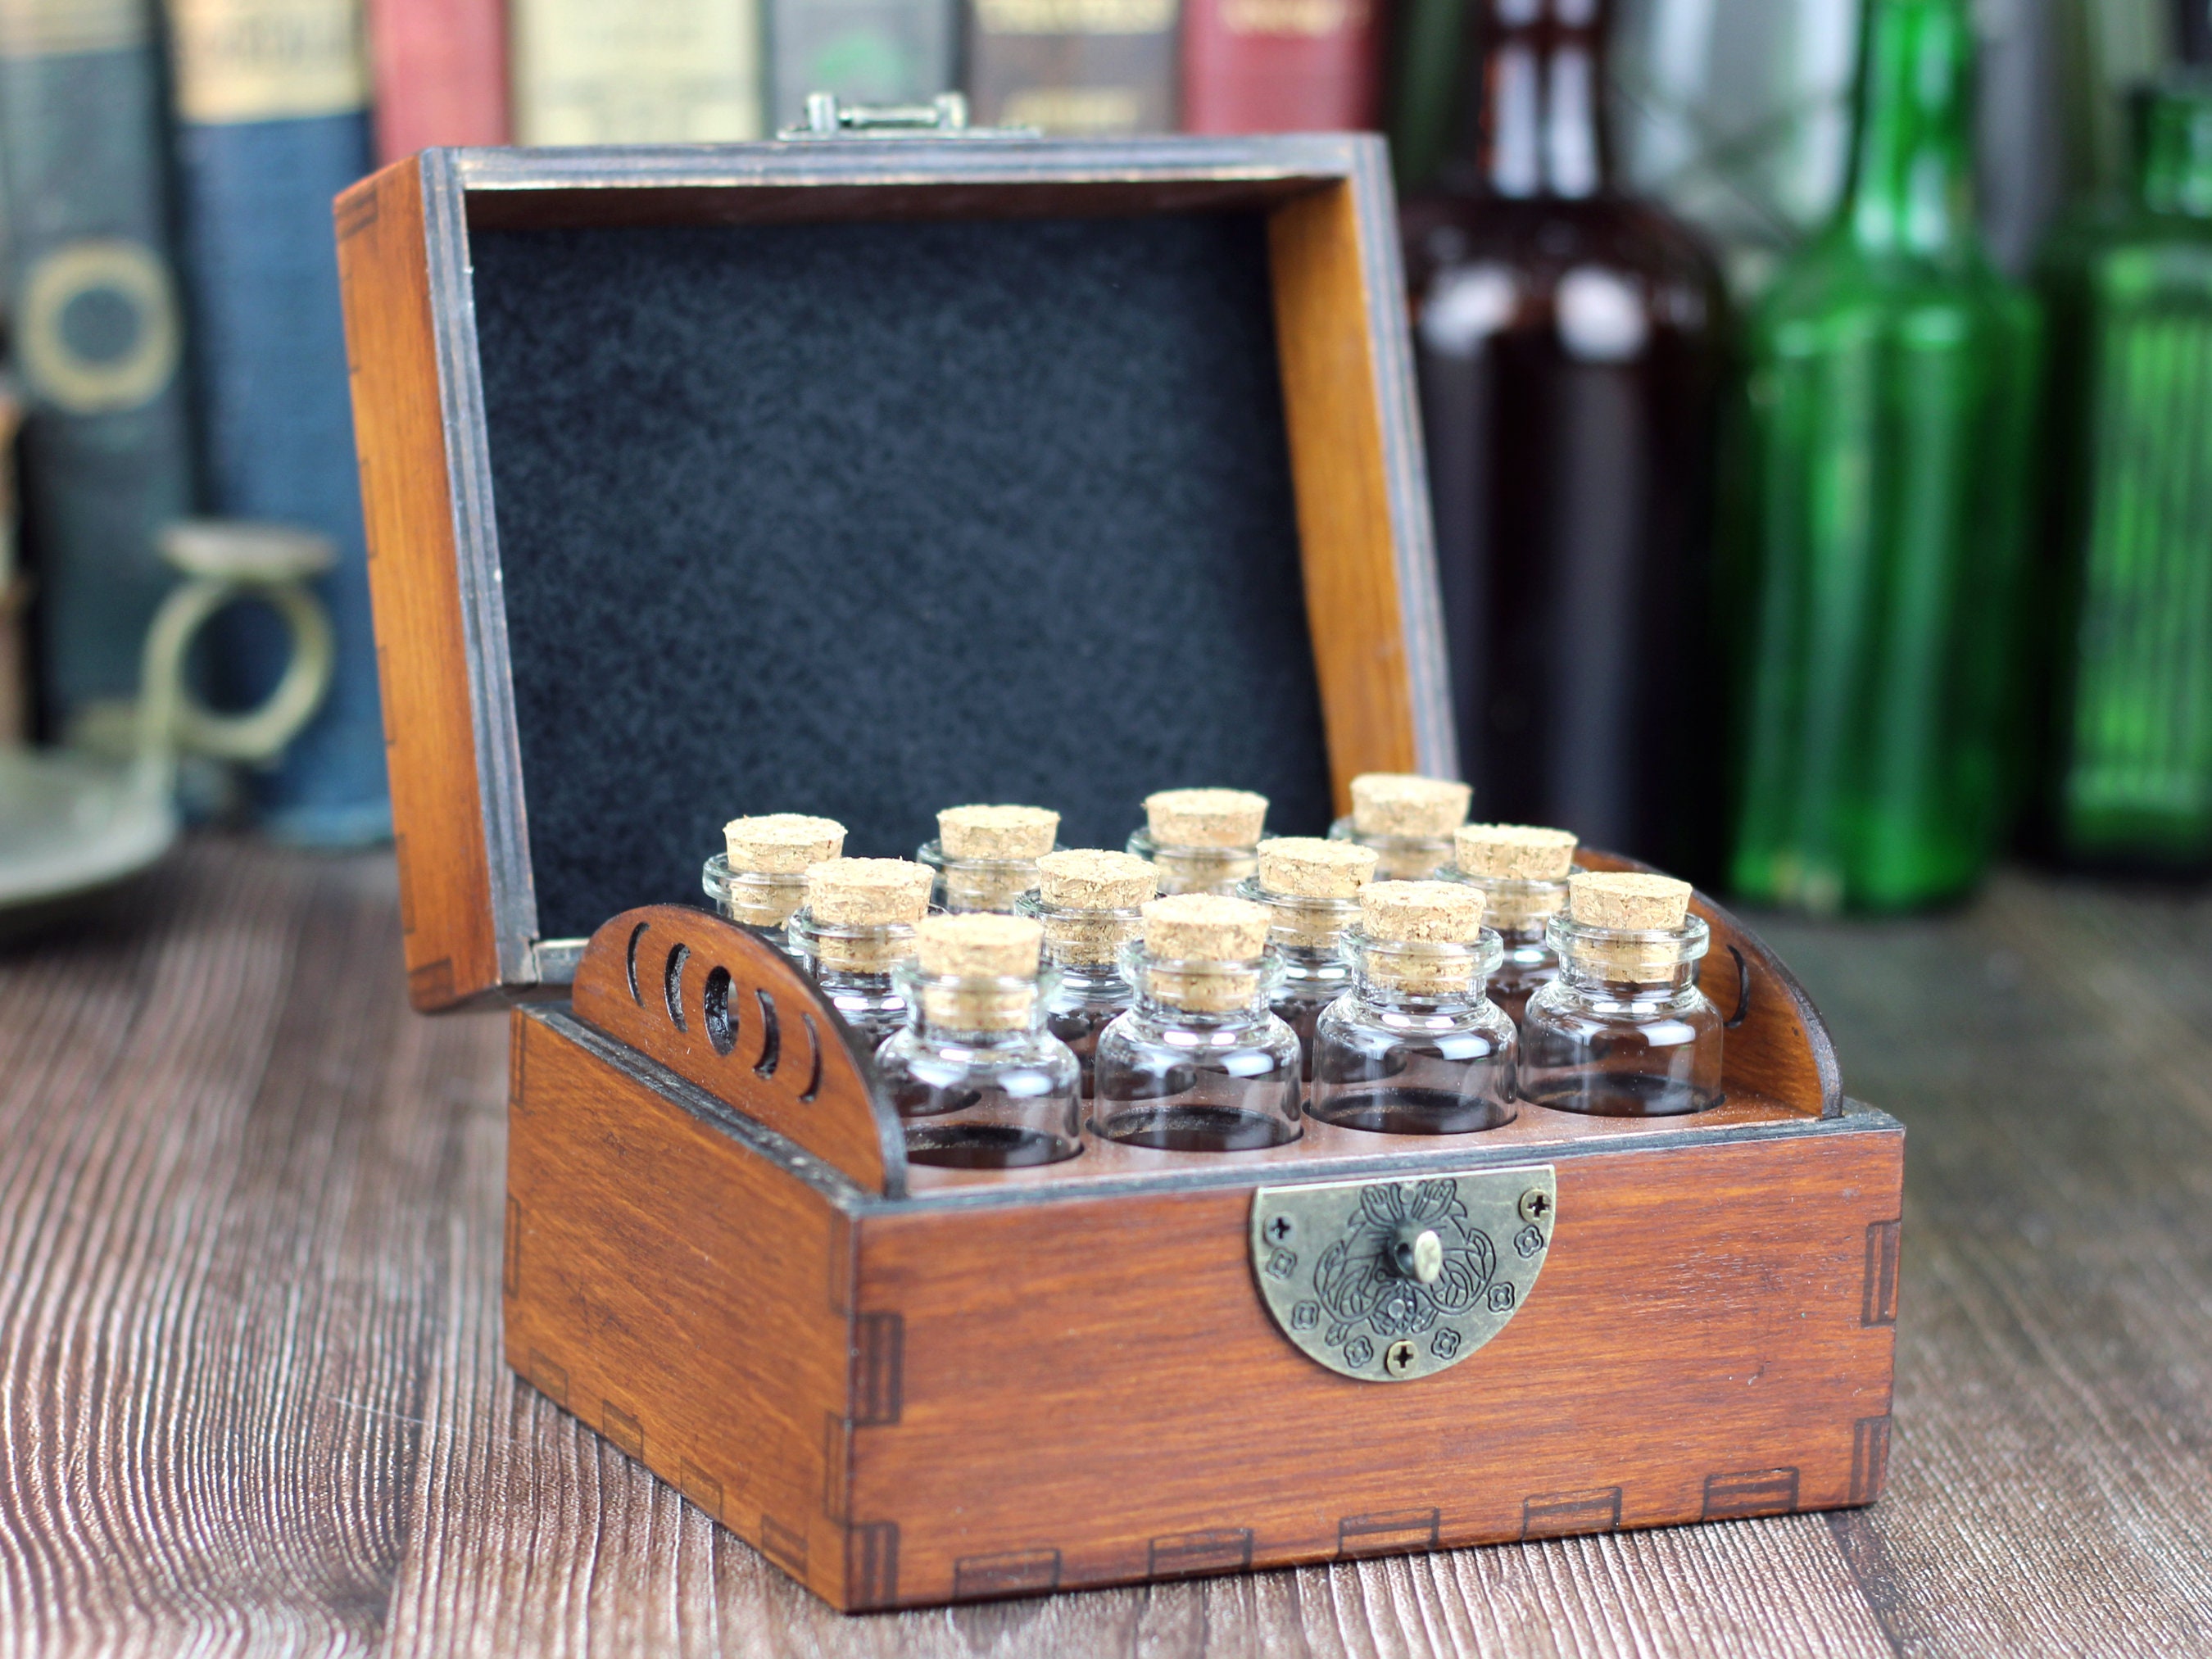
[1389, 1280]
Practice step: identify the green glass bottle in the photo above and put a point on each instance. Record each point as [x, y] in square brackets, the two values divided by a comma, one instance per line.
[1878, 575]
[2127, 779]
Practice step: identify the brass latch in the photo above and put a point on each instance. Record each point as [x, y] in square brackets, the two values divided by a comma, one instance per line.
[945, 116]
[1391, 1281]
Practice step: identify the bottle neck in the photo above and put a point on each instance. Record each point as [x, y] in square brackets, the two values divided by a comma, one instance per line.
[2173, 169]
[1912, 178]
[1538, 93]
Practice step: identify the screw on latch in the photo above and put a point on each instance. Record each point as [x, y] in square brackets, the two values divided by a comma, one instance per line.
[1278, 1229]
[1398, 1358]
[1535, 1204]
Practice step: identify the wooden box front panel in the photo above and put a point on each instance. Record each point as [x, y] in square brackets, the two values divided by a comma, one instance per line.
[1090, 1392]
[683, 1295]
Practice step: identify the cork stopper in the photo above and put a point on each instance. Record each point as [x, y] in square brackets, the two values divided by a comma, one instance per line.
[1095, 885]
[1205, 927]
[781, 843]
[1400, 803]
[996, 832]
[866, 893]
[986, 948]
[1089, 878]
[1422, 912]
[1629, 901]
[1421, 932]
[1513, 852]
[1626, 899]
[1205, 818]
[1305, 866]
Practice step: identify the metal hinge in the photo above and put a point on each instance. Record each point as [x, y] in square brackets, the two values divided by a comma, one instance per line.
[945, 116]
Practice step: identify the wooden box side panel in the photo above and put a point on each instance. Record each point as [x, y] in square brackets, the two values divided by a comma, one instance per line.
[1091, 1392]
[430, 750]
[684, 1296]
[1333, 391]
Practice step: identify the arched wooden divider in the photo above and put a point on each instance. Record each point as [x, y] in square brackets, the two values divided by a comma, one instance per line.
[1777, 1044]
[719, 1006]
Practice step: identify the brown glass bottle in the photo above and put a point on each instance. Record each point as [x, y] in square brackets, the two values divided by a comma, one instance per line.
[1569, 341]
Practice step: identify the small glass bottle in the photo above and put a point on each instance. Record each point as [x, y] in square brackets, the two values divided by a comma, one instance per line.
[1407, 820]
[1624, 1031]
[1414, 1048]
[1088, 902]
[1203, 840]
[1311, 890]
[856, 929]
[1522, 872]
[977, 1079]
[760, 877]
[986, 856]
[1198, 1064]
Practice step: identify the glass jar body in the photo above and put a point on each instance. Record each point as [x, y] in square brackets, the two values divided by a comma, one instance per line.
[1623, 1031]
[1414, 1047]
[976, 885]
[1310, 979]
[1181, 1080]
[856, 969]
[983, 1099]
[1196, 869]
[763, 903]
[1399, 858]
[1520, 910]
[1085, 1002]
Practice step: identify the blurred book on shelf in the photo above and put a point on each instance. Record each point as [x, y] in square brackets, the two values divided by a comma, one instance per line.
[96, 335]
[15, 708]
[866, 52]
[1278, 66]
[1570, 343]
[642, 72]
[1425, 47]
[440, 68]
[1074, 67]
[272, 122]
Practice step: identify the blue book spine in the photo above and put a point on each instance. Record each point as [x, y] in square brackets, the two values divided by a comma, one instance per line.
[107, 450]
[272, 122]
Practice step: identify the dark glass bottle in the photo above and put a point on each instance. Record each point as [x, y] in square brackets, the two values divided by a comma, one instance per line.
[1892, 398]
[1568, 344]
[2127, 772]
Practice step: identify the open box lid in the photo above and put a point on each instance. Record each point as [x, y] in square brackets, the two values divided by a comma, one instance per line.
[867, 476]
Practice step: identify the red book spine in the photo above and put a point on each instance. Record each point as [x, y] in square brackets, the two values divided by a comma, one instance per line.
[1279, 65]
[440, 69]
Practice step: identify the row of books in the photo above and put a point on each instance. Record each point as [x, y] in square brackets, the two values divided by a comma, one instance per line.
[582, 72]
[166, 169]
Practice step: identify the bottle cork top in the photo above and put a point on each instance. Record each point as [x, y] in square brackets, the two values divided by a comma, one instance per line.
[781, 843]
[1513, 852]
[979, 945]
[996, 832]
[868, 892]
[1305, 866]
[1205, 928]
[1421, 912]
[1402, 803]
[1088, 879]
[1205, 818]
[1626, 899]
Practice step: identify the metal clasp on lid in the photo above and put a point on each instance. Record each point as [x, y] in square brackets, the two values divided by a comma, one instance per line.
[945, 116]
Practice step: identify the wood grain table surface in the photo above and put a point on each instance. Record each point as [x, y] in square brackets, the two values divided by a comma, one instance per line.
[252, 1401]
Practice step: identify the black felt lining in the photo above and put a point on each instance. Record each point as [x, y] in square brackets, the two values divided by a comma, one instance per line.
[867, 519]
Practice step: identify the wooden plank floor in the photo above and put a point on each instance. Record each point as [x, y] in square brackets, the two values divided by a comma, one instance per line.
[250, 1399]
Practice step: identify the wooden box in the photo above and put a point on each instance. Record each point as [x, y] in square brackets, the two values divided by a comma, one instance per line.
[651, 440]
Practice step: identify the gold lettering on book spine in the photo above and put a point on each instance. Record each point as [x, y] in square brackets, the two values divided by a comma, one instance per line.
[1075, 17]
[1308, 18]
[268, 60]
